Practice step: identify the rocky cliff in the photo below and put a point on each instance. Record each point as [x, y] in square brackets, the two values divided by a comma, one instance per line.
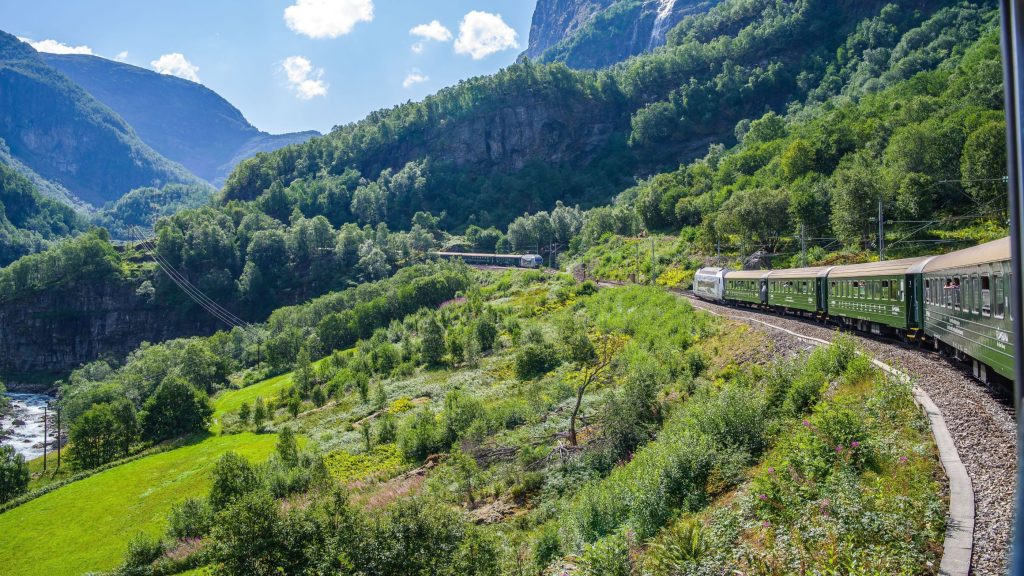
[46, 334]
[590, 34]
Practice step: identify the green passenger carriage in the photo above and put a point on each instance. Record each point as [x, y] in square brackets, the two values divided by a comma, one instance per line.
[748, 286]
[967, 306]
[797, 288]
[877, 296]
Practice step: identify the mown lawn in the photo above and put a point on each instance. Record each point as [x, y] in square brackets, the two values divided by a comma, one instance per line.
[231, 400]
[86, 525]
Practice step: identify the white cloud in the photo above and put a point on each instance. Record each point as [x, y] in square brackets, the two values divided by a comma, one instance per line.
[306, 81]
[327, 18]
[414, 77]
[176, 64]
[121, 56]
[55, 47]
[426, 32]
[482, 34]
[433, 31]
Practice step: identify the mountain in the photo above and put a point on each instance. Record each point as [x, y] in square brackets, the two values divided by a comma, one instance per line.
[182, 120]
[591, 34]
[60, 132]
[28, 220]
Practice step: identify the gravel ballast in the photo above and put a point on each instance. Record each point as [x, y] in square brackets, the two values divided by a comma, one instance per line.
[981, 424]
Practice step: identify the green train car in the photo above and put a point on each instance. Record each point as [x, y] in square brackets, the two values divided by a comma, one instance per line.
[797, 288]
[967, 306]
[876, 297]
[748, 286]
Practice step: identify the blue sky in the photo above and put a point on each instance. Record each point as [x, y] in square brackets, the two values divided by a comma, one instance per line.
[291, 65]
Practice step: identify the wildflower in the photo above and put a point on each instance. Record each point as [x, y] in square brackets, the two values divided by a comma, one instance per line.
[771, 470]
[766, 524]
[807, 423]
[855, 444]
[763, 496]
[903, 459]
[839, 448]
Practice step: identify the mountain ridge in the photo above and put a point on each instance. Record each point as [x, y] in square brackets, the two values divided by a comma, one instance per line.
[184, 121]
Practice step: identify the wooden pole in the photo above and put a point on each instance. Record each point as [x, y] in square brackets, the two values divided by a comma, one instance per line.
[46, 432]
[58, 438]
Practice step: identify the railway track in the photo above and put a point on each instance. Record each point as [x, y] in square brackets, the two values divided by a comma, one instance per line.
[979, 419]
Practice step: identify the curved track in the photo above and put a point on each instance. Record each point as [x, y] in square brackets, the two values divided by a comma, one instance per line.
[979, 422]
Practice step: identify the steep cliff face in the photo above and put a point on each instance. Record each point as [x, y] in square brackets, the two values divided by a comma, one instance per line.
[46, 335]
[63, 134]
[556, 20]
[182, 120]
[599, 36]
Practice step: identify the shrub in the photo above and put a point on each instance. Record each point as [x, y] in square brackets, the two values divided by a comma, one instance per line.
[233, 477]
[677, 548]
[533, 360]
[14, 474]
[190, 518]
[143, 550]
[419, 435]
[608, 556]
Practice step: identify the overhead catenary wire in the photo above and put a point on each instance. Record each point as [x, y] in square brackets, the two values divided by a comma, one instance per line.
[197, 295]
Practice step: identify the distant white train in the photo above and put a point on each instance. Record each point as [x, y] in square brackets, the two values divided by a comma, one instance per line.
[507, 260]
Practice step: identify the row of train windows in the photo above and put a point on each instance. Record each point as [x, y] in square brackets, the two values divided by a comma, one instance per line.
[791, 287]
[868, 289]
[972, 293]
[743, 284]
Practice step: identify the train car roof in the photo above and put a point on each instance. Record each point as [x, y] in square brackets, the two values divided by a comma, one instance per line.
[995, 251]
[478, 254]
[884, 268]
[746, 274]
[812, 272]
[712, 271]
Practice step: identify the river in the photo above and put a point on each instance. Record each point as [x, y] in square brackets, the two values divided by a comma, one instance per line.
[22, 425]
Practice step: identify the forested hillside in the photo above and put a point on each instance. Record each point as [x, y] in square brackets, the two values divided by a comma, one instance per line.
[494, 147]
[28, 220]
[45, 118]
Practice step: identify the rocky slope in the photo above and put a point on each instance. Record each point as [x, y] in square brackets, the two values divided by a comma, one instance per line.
[182, 120]
[63, 134]
[590, 34]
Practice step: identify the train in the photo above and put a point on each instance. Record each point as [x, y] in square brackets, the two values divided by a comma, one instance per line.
[507, 260]
[958, 303]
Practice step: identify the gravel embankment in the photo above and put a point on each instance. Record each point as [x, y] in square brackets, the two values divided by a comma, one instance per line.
[981, 423]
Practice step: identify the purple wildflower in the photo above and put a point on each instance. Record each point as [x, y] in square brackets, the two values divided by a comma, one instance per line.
[839, 448]
[807, 423]
[763, 496]
[903, 459]
[771, 470]
[854, 444]
[766, 524]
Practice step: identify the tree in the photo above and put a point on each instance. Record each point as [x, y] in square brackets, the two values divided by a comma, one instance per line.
[432, 346]
[233, 477]
[244, 413]
[758, 216]
[983, 166]
[287, 447]
[259, 413]
[767, 128]
[591, 354]
[199, 366]
[14, 473]
[797, 160]
[248, 536]
[174, 409]
[124, 412]
[96, 438]
[303, 371]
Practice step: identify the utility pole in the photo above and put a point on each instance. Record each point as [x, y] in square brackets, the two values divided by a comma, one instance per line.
[652, 260]
[881, 231]
[718, 251]
[58, 438]
[803, 246]
[46, 431]
[636, 275]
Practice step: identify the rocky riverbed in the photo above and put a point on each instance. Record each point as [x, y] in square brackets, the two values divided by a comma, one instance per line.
[21, 425]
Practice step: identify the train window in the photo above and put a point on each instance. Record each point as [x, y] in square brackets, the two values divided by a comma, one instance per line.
[803, 288]
[957, 297]
[975, 295]
[986, 295]
[902, 289]
[886, 290]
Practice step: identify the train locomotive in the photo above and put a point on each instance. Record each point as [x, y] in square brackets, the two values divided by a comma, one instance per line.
[958, 303]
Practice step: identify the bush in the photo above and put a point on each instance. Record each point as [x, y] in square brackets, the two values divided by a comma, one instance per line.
[190, 518]
[143, 550]
[608, 556]
[533, 360]
[419, 436]
[676, 549]
[233, 477]
[14, 474]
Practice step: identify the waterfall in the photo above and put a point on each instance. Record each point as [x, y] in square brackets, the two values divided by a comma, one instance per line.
[661, 23]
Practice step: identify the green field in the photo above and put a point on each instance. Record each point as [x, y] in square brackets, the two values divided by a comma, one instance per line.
[86, 525]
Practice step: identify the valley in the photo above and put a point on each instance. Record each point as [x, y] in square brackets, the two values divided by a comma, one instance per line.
[270, 358]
